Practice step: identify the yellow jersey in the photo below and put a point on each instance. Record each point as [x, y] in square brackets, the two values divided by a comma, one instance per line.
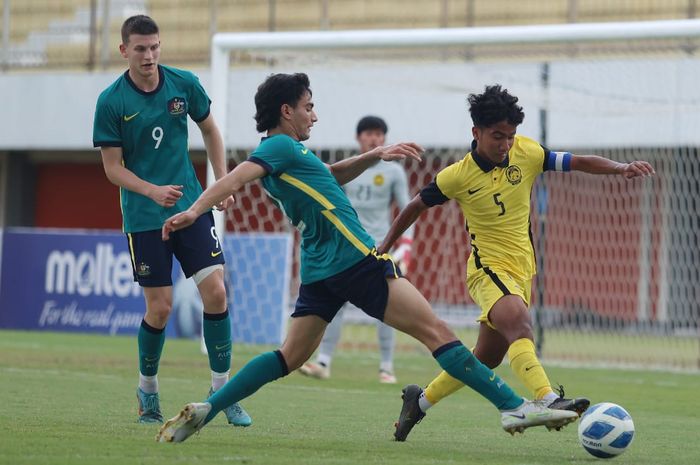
[495, 201]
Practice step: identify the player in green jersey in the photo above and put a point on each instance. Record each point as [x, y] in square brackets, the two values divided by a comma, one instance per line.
[141, 129]
[338, 263]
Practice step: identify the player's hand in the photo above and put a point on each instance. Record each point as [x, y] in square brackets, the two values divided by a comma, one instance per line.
[179, 221]
[226, 203]
[399, 151]
[166, 196]
[637, 169]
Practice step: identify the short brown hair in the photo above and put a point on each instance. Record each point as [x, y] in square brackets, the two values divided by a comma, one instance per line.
[139, 24]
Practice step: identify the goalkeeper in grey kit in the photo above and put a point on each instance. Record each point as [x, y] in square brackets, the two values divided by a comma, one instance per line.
[371, 195]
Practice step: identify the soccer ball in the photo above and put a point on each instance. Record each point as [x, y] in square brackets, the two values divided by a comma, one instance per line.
[606, 430]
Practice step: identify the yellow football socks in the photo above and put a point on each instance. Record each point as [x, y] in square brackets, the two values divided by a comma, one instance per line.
[526, 366]
[442, 386]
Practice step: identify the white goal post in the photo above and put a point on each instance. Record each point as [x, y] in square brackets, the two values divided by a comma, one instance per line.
[620, 258]
[224, 43]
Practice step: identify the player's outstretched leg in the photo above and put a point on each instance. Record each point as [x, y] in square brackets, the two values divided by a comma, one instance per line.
[190, 420]
[577, 404]
[408, 311]
[303, 337]
[411, 414]
[321, 368]
[535, 413]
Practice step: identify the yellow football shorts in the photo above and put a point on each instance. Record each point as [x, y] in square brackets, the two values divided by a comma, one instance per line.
[487, 285]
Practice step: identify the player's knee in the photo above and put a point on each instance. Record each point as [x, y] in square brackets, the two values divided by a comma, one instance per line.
[215, 297]
[160, 311]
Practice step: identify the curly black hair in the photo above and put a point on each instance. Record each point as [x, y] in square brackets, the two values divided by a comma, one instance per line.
[493, 106]
[277, 90]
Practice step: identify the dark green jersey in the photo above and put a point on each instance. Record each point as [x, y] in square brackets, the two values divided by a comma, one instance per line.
[332, 238]
[151, 129]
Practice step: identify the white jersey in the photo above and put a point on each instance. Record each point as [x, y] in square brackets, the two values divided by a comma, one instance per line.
[371, 194]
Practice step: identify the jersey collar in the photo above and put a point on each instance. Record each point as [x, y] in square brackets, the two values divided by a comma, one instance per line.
[143, 92]
[485, 164]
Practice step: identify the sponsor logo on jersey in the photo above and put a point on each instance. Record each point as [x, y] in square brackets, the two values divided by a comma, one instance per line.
[177, 106]
[514, 174]
[379, 180]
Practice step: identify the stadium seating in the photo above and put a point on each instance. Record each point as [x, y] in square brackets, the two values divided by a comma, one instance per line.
[49, 33]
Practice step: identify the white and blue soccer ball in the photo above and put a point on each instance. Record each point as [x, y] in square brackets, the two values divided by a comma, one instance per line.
[606, 430]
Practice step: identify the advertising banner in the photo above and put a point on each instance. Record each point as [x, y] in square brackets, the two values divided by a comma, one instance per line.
[83, 282]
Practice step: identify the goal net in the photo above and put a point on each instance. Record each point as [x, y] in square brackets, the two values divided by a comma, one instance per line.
[618, 260]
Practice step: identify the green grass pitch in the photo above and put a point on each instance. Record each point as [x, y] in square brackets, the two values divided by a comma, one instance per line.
[70, 399]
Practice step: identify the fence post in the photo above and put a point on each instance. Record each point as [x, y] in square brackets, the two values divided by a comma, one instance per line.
[104, 49]
[6, 35]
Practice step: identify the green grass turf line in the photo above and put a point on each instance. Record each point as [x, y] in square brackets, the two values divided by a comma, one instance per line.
[69, 399]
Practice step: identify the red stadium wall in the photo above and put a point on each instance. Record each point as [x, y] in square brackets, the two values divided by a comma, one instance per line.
[78, 195]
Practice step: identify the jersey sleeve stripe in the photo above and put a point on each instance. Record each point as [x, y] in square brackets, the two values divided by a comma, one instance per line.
[101, 143]
[203, 117]
[259, 161]
[431, 195]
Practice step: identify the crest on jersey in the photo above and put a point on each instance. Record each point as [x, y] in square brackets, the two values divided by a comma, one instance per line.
[514, 175]
[177, 106]
[379, 180]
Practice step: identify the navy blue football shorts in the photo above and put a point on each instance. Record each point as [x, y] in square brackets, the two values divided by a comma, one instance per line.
[196, 247]
[364, 285]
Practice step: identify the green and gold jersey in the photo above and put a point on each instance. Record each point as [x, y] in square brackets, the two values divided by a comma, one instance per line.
[151, 129]
[332, 238]
[495, 201]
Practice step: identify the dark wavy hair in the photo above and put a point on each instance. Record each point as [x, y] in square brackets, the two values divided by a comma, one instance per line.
[493, 106]
[277, 90]
[139, 24]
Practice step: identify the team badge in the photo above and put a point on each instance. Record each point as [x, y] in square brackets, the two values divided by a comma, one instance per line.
[143, 269]
[514, 174]
[379, 180]
[177, 106]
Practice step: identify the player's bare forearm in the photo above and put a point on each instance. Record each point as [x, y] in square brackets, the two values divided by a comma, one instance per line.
[227, 186]
[401, 223]
[593, 164]
[121, 176]
[214, 145]
[346, 170]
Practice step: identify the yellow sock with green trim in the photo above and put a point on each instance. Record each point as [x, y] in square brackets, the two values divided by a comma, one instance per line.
[442, 386]
[527, 367]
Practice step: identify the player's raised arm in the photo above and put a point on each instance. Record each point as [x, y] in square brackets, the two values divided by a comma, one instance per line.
[594, 164]
[346, 170]
[213, 195]
[401, 223]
